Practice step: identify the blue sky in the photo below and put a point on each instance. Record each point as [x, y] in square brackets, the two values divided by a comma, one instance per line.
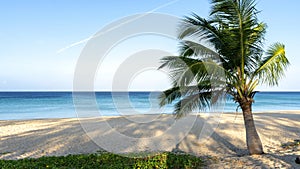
[33, 31]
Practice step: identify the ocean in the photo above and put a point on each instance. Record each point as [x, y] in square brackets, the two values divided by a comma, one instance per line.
[39, 105]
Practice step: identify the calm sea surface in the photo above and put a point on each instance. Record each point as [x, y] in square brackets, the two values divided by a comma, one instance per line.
[36, 105]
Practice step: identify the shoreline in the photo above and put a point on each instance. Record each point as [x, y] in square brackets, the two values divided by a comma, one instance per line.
[168, 114]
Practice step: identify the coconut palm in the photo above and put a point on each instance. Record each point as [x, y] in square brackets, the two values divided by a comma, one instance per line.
[229, 41]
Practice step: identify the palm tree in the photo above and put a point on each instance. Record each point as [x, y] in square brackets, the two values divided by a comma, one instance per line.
[229, 41]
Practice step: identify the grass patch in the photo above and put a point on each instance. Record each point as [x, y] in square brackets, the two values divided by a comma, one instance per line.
[3, 153]
[107, 160]
[288, 145]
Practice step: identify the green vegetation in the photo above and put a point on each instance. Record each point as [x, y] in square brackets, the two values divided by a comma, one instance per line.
[107, 160]
[290, 145]
[223, 54]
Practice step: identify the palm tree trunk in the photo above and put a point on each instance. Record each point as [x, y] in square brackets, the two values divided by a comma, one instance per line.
[253, 141]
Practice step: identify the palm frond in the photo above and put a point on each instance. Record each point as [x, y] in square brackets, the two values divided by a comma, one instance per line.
[168, 96]
[190, 48]
[192, 102]
[182, 70]
[177, 92]
[177, 62]
[185, 71]
[272, 67]
[199, 28]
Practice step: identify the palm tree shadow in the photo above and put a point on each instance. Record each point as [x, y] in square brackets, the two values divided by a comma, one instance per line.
[225, 143]
[228, 148]
[222, 142]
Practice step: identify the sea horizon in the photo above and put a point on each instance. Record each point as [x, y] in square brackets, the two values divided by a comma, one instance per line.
[21, 105]
[3, 91]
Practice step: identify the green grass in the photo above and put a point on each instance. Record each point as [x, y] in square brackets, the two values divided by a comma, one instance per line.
[107, 160]
[291, 144]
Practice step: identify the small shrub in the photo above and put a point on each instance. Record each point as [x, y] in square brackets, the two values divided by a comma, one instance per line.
[291, 144]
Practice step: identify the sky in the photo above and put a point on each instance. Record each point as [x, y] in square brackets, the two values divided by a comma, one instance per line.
[41, 41]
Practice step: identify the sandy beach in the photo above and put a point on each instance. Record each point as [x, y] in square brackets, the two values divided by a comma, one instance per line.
[225, 148]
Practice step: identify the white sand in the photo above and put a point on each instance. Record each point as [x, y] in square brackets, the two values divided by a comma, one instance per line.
[48, 137]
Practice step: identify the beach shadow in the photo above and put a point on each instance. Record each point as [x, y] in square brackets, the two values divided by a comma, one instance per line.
[56, 138]
[220, 142]
[287, 122]
[289, 159]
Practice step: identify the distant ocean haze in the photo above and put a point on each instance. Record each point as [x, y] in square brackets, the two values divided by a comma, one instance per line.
[38, 105]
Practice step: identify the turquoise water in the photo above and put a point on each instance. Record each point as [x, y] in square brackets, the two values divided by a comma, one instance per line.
[36, 105]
